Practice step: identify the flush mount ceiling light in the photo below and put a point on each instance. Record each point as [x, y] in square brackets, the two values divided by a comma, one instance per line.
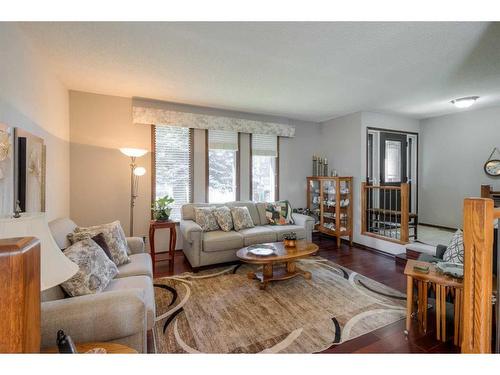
[464, 102]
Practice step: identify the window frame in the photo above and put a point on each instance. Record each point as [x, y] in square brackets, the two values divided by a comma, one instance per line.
[276, 175]
[207, 168]
[153, 166]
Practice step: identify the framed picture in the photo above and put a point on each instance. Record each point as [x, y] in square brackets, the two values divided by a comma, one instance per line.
[6, 170]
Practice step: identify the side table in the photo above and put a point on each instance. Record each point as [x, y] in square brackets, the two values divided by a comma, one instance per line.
[110, 347]
[170, 225]
[443, 286]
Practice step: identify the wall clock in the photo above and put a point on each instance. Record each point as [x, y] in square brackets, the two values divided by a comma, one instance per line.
[492, 166]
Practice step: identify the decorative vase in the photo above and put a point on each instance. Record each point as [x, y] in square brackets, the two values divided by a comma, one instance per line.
[290, 243]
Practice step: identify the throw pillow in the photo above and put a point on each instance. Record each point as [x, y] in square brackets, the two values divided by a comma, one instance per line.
[95, 269]
[113, 235]
[224, 218]
[101, 241]
[204, 217]
[241, 218]
[455, 251]
[279, 213]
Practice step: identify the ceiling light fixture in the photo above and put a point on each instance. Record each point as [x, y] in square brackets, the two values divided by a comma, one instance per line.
[464, 102]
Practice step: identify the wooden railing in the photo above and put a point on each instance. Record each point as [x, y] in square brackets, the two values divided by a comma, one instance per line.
[385, 212]
[479, 216]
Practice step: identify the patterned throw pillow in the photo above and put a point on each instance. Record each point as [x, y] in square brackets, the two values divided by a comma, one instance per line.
[279, 213]
[241, 218]
[224, 218]
[113, 235]
[204, 217]
[95, 269]
[455, 251]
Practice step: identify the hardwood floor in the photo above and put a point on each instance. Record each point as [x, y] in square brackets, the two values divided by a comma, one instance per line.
[379, 267]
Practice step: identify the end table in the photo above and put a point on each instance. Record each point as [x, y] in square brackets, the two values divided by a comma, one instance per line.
[170, 225]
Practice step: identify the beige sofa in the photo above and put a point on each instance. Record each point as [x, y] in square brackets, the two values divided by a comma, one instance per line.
[122, 313]
[205, 248]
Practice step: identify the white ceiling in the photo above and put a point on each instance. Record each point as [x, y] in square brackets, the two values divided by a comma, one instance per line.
[308, 71]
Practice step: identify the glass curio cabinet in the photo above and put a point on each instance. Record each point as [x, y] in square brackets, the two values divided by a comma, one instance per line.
[329, 200]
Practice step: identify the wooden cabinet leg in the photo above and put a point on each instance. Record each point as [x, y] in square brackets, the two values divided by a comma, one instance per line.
[443, 313]
[456, 317]
[152, 246]
[171, 247]
[438, 312]
[424, 306]
[409, 302]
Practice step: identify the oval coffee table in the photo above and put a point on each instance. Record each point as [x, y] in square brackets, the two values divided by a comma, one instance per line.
[282, 255]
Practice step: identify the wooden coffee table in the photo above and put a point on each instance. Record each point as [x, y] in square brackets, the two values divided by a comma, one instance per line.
[285, 256]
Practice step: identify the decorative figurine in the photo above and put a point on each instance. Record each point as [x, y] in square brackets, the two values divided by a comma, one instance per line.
[17, 211]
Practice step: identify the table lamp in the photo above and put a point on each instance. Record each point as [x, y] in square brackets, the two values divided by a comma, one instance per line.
[30, 262]
[135, 173]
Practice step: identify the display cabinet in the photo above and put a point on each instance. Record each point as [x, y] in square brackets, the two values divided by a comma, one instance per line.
[329, 200]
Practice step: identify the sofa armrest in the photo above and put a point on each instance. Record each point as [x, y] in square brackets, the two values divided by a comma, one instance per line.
[189, 228]
[135, 244]
[303, 220]
[97, 317]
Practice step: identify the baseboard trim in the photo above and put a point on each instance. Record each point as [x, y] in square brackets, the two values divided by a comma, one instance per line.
[439, 227]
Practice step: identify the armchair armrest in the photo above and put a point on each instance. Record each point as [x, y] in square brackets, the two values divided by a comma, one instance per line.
[97, 317]
[189, 228]
[135, 244]
[303, 220]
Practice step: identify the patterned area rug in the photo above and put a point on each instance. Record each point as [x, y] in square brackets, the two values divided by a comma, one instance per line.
[222, 311]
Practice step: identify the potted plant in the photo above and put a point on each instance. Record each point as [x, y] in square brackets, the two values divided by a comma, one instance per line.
[161, 208]
[290, 239]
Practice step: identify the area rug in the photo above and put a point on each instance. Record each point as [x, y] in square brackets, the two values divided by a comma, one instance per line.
[222, 311]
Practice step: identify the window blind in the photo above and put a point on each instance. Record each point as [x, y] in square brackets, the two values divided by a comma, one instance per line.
[222, 140]
[174, 165]
[264, 145]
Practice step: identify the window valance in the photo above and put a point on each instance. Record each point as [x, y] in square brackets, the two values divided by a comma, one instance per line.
[160, 116]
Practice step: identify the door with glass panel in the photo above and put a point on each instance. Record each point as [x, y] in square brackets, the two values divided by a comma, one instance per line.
[393, 168]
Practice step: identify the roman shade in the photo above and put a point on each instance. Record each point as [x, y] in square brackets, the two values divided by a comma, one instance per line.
[265, 145]
[222, 140]
[160, 114]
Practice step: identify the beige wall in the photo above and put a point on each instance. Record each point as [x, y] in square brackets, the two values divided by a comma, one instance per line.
[33, 98]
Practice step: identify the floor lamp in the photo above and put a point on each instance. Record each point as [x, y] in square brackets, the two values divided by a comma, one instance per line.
[135, 173]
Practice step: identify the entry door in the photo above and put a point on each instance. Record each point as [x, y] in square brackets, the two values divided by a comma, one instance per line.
[393, 168]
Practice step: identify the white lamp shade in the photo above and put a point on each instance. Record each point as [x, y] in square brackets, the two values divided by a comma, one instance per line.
[55, 266]
[140, 171]
[133, 152]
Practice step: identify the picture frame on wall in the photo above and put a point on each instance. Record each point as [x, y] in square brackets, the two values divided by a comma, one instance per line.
[7, 171]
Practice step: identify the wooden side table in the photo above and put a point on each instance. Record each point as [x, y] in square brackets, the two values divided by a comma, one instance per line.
[443, 286]
[170, 225]
[110, 347]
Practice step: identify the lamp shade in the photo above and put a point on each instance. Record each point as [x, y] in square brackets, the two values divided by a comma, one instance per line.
[55, 266]
[133, 152]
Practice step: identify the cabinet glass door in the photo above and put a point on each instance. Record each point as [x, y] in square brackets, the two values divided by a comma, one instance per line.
[345, 190]
[314, 200]
[329, 203]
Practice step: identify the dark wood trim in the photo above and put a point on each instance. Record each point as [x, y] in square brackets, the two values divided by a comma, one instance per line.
[250, 170]
[391, 130]
[153, 168]
[238, 169]
[207, 177]
[438, 227]
[191, 165]
[277, 172]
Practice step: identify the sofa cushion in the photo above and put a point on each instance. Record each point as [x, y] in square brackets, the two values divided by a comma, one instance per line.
[219, 240]
[140, 265]
[60, 228]
[280, 230]
[252, 209]
[138, 282]
[224, 218]
[204, 217]
[257, 235]
[114, 236]
[241, 218]
[455, 251]
[279, 213]
[187, 210]
[95, 269]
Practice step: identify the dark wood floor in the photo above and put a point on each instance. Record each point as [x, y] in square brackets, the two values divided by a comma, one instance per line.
[379, 267]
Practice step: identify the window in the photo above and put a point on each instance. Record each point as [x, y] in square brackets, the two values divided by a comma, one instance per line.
[392, 161]
[264, 168]
[173, 165]
[222, 166]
